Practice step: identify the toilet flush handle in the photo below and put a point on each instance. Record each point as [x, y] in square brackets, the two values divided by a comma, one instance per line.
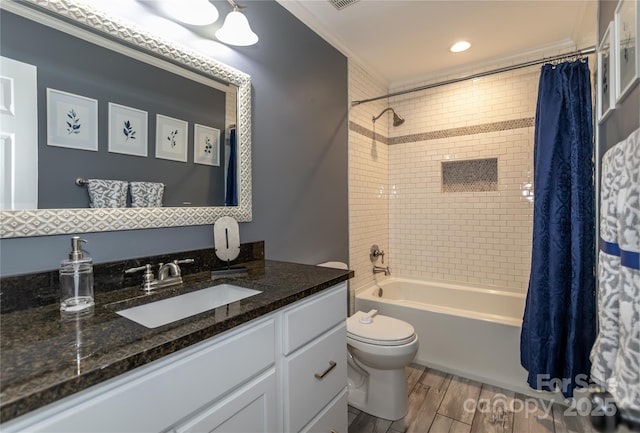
[368, 318]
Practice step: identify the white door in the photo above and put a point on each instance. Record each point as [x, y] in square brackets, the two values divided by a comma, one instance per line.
[18, 135]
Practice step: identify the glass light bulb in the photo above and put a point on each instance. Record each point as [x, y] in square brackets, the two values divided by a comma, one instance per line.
[236, 30]
[194, 12]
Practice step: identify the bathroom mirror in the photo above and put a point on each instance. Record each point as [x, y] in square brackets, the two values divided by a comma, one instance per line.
[90, 25]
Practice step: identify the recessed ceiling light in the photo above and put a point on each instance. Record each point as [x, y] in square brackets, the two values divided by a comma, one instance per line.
[460, 46]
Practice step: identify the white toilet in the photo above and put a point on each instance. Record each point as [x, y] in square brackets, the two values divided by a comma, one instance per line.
[379, 348]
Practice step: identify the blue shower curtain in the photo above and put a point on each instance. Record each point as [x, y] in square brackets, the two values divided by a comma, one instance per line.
[231, 194]
[559, 324]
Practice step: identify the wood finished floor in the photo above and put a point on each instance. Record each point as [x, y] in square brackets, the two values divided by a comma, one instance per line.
[444, 403]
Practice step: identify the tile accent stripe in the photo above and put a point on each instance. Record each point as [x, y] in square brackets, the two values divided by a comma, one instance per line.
[446, 133]
[353, 126]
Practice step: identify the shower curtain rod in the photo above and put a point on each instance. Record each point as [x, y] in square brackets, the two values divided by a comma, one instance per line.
[582, 52]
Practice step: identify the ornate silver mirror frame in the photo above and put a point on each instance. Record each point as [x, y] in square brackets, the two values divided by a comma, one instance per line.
[36, 222]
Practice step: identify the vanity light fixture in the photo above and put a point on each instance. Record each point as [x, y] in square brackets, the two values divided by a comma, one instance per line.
[193, 12]
[236, 29]
[460, 46]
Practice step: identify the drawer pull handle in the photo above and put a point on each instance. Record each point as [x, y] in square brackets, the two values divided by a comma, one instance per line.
[332, 365]
[333, 431]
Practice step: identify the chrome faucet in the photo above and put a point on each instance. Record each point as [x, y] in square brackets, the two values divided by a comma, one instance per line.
[373, 256]
[169, 270]
[168, 275]
[378, 269]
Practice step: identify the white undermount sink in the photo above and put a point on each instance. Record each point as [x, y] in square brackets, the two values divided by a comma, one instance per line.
[179, 307]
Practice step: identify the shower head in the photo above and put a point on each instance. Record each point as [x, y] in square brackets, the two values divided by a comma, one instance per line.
[397, 120]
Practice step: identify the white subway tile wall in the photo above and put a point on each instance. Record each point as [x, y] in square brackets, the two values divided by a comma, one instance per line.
[368, 176]
[470, 237]
[395, 190]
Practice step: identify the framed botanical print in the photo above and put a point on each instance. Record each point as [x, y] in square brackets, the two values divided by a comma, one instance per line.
[72, 121]
[127, 130]
[172, 138]
[206, 145]
[606, 74]
[627, 56]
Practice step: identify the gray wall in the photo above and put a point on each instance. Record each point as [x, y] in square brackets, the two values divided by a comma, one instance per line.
[299, 133]
[83, 68]
[626, 117]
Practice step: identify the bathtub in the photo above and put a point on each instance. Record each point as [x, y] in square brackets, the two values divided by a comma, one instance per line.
[468, 331]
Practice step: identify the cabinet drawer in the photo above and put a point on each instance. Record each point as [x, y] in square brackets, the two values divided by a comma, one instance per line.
[306, 321]
[153, 397]
[251, 409]
[333, 418]
[315, 374]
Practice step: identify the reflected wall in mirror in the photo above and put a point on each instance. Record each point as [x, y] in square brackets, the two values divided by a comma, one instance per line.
[208, 81]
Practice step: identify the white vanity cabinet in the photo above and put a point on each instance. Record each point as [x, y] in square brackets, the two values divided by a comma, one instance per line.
[285, 371]
[157, 396]
[315, 363]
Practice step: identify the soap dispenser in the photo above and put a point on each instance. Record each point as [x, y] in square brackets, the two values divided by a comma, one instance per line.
[76, 279]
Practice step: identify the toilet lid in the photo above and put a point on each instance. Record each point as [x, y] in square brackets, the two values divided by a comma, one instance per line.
[383, 330]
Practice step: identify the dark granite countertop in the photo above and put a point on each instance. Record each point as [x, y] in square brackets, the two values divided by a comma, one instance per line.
[45, 356]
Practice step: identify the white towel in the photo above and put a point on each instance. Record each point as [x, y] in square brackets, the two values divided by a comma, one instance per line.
[616, 352]
[627, 364]
[605, 348]
[107, 193]
[146, 194]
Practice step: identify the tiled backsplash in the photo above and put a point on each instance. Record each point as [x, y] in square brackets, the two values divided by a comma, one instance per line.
[42, 288]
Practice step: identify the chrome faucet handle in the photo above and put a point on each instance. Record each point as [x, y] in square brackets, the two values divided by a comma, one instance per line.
[146, 268]
[375, 253]
[148, 280]
[181, 262]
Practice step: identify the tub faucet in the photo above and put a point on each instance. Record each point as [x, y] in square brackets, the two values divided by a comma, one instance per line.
[378, 269]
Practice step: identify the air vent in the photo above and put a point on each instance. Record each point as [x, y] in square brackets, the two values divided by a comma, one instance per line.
[341, 4]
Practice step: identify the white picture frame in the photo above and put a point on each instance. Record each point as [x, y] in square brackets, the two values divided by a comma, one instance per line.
[606, 74]
[72, 121]
[206, 145]
[627, 57]
[128, 130]
[172, 138]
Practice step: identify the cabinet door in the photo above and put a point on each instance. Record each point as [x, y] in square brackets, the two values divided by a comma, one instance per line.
[333, 418]
[252, 408]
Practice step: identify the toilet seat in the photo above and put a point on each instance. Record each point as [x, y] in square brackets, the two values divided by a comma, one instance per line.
[382, 331]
